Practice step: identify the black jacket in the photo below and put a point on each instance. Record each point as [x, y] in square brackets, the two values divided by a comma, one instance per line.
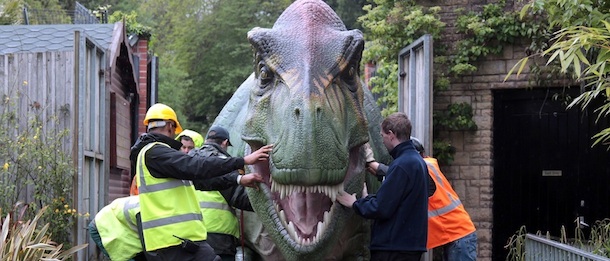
[170, 162]
[234, 194]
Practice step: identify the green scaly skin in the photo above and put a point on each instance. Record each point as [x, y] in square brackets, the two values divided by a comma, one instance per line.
[305, 97]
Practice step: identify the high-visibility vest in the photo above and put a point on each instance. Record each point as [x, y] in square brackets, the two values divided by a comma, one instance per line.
[116, 225]
[447, 218]
[218, 216]
[168, 208]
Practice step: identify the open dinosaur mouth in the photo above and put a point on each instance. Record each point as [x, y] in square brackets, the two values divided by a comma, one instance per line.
[304, 211]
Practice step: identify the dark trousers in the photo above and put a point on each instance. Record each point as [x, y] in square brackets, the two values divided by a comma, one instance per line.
[203, 253]
[395, 255]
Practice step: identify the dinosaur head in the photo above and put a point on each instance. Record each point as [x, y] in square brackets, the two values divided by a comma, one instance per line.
[308, 102]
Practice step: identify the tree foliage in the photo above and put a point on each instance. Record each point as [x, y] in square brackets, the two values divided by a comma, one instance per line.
[203, 50]
[47, 12]
[212, 48]
[390, 26]
[11, 12]
[581, 47]
[349, 11]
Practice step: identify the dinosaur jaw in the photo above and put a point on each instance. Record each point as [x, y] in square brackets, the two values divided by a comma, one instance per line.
[306, 216]
[305, 211]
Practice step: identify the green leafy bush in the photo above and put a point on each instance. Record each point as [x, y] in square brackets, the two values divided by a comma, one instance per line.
[458, 116]
[443, 152]
[389, 27]
[35, 167]
[486, 33]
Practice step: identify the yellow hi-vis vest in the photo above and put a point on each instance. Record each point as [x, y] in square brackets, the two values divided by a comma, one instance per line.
[217, 214]
[168, 208]
[447, 218]
[116, 224]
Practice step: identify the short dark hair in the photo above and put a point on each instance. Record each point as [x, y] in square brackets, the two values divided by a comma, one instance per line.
[398, 123]
[186, 138]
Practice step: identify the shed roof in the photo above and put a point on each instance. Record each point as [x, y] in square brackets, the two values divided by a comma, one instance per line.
[57, 37]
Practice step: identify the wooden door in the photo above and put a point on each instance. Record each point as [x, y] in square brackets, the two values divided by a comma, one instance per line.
[544, 166]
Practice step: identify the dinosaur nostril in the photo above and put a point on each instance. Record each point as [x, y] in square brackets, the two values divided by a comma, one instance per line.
[319, 112]
[297, 112]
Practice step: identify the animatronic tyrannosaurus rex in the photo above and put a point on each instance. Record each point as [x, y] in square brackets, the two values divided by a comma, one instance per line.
[306, 97]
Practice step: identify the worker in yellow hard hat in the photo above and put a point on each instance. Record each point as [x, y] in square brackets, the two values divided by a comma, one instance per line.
[171, 225]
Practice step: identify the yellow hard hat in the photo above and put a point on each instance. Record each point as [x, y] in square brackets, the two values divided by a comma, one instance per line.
[196, 137]
[161, 111]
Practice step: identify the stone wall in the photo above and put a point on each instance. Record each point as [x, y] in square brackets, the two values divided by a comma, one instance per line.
[471, 172]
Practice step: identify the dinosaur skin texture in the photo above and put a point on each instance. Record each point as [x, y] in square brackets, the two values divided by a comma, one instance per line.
[306, 97]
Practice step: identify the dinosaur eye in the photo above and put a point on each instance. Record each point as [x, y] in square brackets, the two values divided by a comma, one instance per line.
[350, 78]
[265, 75]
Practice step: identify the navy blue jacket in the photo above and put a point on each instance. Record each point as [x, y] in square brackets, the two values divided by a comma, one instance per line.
[400, 208]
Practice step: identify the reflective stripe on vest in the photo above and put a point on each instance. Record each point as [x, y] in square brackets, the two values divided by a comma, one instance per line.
[455, 202]
[131, 204]
[169, 208]
[169, 184]
[447, 217]
[218, 216]
[116, 227]
[170, 220]
[215, 205]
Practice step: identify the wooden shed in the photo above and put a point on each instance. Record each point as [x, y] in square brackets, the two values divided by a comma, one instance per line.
[87, 72]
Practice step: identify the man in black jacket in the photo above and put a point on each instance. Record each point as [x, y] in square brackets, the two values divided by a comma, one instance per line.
[222, 195]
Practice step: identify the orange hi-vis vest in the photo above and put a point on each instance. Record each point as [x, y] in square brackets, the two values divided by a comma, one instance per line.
[447, 218]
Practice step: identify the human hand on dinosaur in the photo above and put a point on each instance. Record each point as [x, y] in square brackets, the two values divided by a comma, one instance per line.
[261, 154]
[372, 166]
[346, 199]
[251, 180]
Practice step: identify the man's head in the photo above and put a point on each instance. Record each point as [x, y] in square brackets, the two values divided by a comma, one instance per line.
[190, 140]
[395, 129]
[162, 119]
[219, 135]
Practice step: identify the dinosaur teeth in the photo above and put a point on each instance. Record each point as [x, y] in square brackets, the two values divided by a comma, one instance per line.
[282, 216]
[292, 232]
[326, 217]
[286, 190]
[319, 232]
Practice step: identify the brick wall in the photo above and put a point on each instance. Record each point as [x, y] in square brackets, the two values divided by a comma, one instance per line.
[141, 50]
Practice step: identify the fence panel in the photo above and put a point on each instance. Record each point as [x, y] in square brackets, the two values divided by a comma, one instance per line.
[542, 249]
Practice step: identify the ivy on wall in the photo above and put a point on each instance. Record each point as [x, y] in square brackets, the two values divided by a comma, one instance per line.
[392, 26]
